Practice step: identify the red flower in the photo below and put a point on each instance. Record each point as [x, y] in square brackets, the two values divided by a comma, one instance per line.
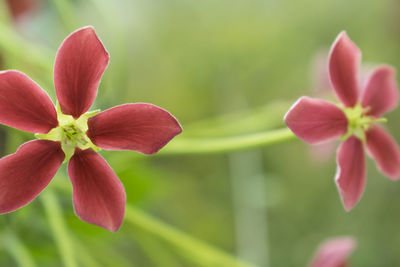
[315, 120]
[334, 252]
[70, 133]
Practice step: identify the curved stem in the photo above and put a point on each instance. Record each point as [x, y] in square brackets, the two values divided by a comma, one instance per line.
[15, 46]
[226, 144]
[195, 250]
[17, 249]
[257, 119]
[53, 212]
[65, 11]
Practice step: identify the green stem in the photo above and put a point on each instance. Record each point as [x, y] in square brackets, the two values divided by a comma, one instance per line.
[15, 46]
[65, 11]
[17, 249]
[226, 144]
[245, 121]
[83, 255]
[195, 250]
[5, 16]
[58, 227]
[155, 250]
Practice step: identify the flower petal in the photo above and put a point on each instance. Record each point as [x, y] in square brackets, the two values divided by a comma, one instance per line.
[98, 195]
[141, 127]
[315, 120]
[24, 174]
[350, 175]
[24, 105]
[344, 61]
[334, 252]
[385, 151]
[79, 66]
[381, 93]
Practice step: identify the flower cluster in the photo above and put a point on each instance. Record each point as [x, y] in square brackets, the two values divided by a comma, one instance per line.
[70, 132]
[355, 120]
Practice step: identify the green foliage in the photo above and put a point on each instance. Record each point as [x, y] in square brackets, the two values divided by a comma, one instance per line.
[223, 68]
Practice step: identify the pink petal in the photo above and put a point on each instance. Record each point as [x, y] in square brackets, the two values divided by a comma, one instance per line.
[141, 127]
[350, 175]
[381, 93]
[385, 151]
[24, 174]
[334, 252]
[24, 105]
[344, 61]
[79, 66]
[315, 120]
[98, 195]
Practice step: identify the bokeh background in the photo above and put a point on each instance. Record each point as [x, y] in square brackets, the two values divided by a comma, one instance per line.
[223, 68]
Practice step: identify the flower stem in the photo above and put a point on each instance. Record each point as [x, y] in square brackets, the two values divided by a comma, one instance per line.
[195, 250]
[16, 47]
[83, 255]
[65, 11]
[155, 250]
[257, 119]
[17, 249]
[58, 227]
[226, 144]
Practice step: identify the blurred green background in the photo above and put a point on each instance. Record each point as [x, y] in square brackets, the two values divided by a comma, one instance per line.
[223, 68]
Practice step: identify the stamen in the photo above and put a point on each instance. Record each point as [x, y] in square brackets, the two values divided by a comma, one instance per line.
[71, 133]
[359, 121]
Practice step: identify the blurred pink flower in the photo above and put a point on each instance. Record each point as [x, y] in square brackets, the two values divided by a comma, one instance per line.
[319, 73]
[334, 252]
[316, 121]
[19, 8]
[70, 133]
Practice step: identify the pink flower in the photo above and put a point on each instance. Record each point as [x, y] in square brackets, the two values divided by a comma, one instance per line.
[19, 8]
[354, 120]
[334, 252]
[70, 133]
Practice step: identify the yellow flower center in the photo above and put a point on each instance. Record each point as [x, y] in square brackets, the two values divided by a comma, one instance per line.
[71, 133]
[359, 121]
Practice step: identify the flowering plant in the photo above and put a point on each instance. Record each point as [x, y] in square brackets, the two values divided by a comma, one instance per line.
[354, 120]
[69, 132]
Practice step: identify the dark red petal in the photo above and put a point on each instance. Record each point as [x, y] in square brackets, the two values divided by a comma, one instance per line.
[79, 66]
[381, 93]
[141, 127]
[385, 151]
[98, 195]
[24, 105]
[315, 120]
[24, 174]
[334, 252]
[350, 174]
[344, 61]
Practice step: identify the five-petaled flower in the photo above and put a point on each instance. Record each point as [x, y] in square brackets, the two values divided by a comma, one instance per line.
[334, 252]
[69, 133]
[354, 120]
